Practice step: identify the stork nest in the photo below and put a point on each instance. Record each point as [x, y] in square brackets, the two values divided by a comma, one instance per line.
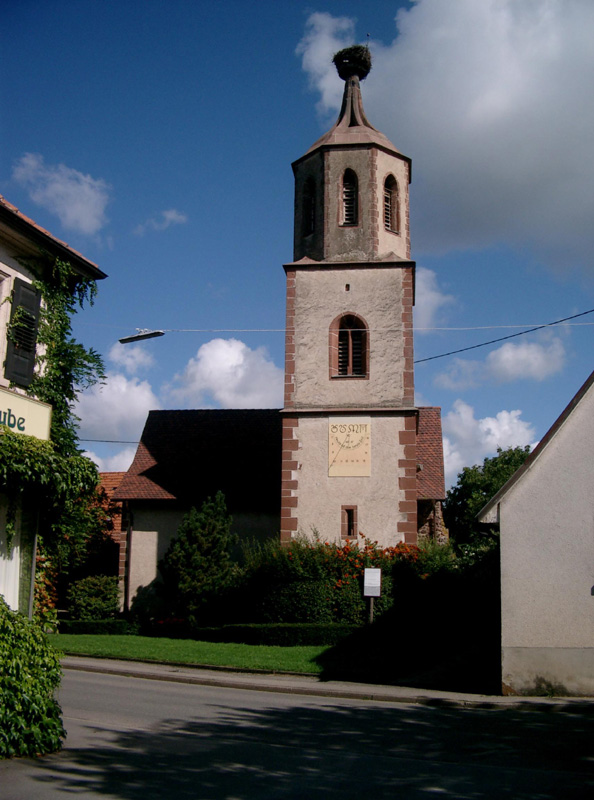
[355, 60]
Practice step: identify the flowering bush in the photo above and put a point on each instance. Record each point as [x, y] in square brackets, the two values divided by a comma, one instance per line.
[316, 581]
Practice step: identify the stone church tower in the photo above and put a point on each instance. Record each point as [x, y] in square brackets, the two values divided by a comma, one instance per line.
[350, 425]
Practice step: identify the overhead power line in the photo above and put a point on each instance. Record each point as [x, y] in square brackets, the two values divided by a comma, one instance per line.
[503, 338]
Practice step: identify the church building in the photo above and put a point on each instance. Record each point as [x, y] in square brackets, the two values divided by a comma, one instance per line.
[349, 455]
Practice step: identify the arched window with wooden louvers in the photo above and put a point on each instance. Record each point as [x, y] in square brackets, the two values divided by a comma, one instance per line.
[391, 205]
[350, 198]
[22, 334]
[308, 219]
[349, 347]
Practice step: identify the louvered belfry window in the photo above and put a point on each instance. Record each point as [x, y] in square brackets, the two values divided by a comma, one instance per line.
[350, 190]
[22, 338]
[391, 210]
[352, 347]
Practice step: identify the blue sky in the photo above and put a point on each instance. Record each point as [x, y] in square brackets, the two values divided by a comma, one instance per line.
[156, 138]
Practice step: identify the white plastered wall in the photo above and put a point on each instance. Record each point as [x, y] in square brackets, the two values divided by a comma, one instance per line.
[149, 540]
[547, 564]
[321, 296]
[320, 497]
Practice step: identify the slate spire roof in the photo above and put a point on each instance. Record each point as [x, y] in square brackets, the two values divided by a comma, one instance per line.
[352, 125]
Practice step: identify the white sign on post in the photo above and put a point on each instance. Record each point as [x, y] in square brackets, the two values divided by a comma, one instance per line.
[372, 582]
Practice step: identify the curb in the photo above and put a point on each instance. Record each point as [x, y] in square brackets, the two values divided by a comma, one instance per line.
[310, 685]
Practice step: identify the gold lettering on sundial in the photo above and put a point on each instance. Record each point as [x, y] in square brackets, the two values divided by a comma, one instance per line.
[349, 447]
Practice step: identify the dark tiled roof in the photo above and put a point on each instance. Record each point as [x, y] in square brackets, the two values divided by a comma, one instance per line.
[27, 229]
[430, 478]
[186, 456]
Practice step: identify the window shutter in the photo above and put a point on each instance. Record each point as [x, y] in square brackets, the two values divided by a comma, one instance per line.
[20, 346]
[349, 198]
[343, 352]
[357, 345]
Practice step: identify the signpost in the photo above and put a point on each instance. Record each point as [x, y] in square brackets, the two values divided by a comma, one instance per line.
[372, 586]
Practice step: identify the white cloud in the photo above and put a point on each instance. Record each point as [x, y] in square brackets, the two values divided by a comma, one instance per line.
[115, 463]
[116, 410]
[162, 221]
[324, 36]
[131, 358]
[78, 200]
[429, 299]
[510, 362]
[467, 440]
[232, 375]
[460, 374]
[494, 101]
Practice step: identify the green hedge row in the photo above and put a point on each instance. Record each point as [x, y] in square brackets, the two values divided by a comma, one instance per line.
[283, 634]
[98, 626]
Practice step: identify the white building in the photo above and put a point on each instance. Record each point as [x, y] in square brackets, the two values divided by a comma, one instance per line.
[545, 514]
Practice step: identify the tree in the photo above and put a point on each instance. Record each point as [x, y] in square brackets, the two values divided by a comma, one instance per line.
[198, 564]
[476, 486]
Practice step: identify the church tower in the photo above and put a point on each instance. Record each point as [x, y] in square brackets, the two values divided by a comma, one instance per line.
[349, 420]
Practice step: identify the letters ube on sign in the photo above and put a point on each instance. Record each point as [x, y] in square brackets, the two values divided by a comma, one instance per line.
[9, 419]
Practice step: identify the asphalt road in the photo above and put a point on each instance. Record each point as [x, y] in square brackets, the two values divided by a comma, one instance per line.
[135, 739]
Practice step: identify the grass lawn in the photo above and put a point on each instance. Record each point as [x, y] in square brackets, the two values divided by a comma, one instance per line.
[187, 651]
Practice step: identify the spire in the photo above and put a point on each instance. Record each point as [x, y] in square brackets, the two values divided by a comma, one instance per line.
[352, 126]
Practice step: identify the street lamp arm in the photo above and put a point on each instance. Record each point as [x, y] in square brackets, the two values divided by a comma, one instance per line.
[143, 333]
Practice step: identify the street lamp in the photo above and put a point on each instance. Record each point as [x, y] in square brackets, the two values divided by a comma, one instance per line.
[143, 333]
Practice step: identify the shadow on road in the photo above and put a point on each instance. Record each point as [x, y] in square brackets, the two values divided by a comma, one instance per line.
[328, 751]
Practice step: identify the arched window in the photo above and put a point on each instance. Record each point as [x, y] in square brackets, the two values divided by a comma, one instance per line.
[391, 205]
[308, 220]
[349, 347]
[350, 192]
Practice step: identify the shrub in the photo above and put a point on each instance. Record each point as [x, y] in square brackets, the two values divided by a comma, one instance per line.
[197, 567]
[95, 597]
[315, 581]
[308, 601]
[30, 717]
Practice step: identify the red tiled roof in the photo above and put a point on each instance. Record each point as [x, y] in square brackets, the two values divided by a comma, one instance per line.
[430, 477]
[110, 481]
[28, 228]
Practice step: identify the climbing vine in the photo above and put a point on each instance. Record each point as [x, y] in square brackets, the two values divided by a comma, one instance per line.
[65, 367]
[54, 476]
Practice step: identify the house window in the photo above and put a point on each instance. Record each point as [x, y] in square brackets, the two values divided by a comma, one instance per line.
[349, 347]
[309, 207]
[391, 205]
[348, 522]
[350, 191]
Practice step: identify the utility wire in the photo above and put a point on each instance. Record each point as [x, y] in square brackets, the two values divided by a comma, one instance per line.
[503, 338]
[108, 441]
